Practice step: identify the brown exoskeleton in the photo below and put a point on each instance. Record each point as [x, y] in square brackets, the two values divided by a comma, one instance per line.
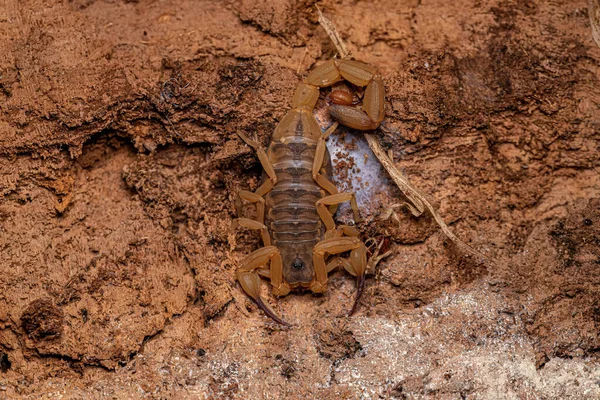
[301, 241]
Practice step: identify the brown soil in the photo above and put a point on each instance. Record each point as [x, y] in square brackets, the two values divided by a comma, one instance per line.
[119, 163]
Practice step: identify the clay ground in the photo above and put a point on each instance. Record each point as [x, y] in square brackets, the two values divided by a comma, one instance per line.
[120, 162]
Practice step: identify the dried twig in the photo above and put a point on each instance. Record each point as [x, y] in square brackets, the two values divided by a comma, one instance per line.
[333, 35]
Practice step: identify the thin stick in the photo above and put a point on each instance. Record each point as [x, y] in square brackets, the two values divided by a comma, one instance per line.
[333, 35]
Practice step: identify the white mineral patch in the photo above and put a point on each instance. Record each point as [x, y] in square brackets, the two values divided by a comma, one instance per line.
[355, 169]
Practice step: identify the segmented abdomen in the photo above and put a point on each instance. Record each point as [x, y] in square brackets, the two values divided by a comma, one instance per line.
[292, 215]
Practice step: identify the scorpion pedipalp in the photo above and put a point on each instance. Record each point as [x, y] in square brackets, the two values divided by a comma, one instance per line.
[369, 115]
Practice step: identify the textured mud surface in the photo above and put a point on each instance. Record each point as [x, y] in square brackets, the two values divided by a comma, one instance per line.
[119, 163]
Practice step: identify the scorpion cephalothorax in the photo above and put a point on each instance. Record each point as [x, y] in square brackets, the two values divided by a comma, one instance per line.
[301, 241]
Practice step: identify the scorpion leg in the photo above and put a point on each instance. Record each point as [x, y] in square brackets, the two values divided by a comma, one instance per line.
[257, 197]
[265, 163]
[347, 265]
[350, 231]
[337, 262]
[345, 230]
[250, 280]
[357, 265]
[335, 199]
[252, 198]
[341, 231]
[252, 224]
[320, 158]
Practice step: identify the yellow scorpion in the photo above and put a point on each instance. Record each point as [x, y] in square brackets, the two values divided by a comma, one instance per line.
[296, 200]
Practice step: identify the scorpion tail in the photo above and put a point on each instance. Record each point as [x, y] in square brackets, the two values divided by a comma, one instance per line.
[250, 282]
[269, 312]
[360, 286]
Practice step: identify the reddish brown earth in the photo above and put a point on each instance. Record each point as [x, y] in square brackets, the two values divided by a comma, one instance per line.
[120, 162]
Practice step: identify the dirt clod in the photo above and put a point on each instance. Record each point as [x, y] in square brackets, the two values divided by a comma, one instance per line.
[336, 342]
[5, 363]
[42, 320]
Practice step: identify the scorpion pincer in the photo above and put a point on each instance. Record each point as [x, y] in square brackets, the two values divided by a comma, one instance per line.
[295, 201]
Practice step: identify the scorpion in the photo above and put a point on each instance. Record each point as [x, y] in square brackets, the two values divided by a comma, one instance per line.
[296, 200]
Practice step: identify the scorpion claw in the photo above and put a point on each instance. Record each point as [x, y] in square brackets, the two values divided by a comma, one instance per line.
[269, 312]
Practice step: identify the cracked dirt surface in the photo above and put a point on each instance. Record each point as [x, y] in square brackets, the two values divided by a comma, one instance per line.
[119, 163]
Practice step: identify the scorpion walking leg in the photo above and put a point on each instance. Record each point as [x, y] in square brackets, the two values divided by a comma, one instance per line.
[366, 117]
[335, 199]
[249, 278]
[341, 231]
[252, 198]
[275, 274]
[320, 158]
[347, 265]
[252, 224]
[257, 197]
[357, 265]
[345, 230]
[350, 231]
